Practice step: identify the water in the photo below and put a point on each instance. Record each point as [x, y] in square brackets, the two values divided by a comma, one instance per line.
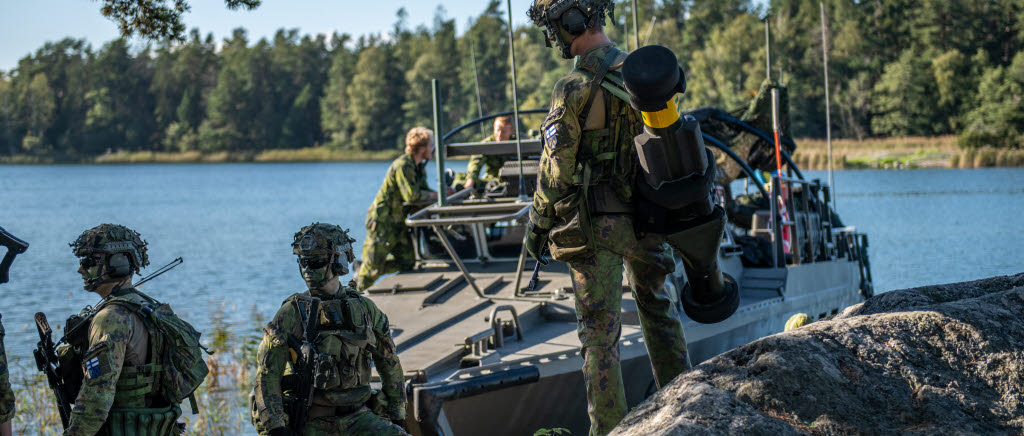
[233, 224]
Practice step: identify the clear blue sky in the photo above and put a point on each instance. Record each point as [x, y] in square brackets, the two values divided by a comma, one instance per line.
[25, 25]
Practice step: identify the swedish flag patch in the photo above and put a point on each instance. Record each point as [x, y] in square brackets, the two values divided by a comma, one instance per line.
[92, 367]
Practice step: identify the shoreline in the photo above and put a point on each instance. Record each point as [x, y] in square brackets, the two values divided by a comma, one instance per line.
[811, 154]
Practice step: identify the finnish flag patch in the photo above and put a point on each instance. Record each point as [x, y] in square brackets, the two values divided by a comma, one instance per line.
[92, 367]
[550, 138]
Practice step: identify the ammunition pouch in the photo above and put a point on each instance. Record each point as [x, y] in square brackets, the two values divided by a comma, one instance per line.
[573, 237]
[144, 422]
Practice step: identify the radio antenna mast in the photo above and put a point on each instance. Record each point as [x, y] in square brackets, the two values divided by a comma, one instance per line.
[476, 81]
[828, 111]
[515, 106]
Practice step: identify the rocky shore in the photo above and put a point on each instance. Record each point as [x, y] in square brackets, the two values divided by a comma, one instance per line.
[944, 359]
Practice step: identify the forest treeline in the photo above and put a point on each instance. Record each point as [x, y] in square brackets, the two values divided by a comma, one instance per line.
[898, 67]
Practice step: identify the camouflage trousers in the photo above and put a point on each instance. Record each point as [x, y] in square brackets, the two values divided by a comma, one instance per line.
[361, 423]
[394, 240]
[597, 283]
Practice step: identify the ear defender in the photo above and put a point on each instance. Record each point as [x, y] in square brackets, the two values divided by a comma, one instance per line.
[118, 265]
[574, 21]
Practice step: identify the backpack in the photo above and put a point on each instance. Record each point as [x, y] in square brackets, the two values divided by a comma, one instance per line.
[179, 360]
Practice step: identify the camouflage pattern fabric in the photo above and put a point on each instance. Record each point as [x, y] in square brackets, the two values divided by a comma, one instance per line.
[118, 340]
[491, 163]
[361, 423]
[6, 393]
[597, 285]
[573, 142]
[386, 232]
[274, 358]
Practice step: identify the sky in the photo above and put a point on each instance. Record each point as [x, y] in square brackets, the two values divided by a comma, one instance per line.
[25, 25]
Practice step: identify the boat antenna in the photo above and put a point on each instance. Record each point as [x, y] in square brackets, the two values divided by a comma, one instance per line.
[828, 111]
[515, 106]
[476, 80]
[442, 191]
[768, 47]
[650, 30]
[636, 29]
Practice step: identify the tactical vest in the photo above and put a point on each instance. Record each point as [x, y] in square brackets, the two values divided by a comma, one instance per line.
[606, 159]
[145, 402]
[606, 162]
[343, 341]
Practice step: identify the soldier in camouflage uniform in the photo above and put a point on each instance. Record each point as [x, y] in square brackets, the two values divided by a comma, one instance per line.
[583, 203]
[502, 132]
[6, 393]
[352, 332]
[114, 348]
[386, 232]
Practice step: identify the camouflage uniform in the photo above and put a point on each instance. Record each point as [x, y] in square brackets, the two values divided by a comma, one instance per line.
[118, 344]
[274, 357]
[587, 154]
[6, 394]
[386, 232]
[119, 365]
[492, 163]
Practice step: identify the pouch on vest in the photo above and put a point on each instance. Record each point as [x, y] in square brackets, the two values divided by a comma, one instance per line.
[143, 422]
[571, 239]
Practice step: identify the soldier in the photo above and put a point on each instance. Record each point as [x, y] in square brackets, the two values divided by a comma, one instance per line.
[122, 363]
[502, 132]
[351, 332]
[584, 204]
[6, 393]
[386, 232]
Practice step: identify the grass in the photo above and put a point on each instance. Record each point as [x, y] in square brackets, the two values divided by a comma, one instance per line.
[222, 398]
[906, 152]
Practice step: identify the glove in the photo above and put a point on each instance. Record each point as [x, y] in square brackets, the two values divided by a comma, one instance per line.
[536, 240]
[280, 431]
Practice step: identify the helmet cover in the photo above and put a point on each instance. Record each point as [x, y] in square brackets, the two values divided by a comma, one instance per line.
[549, 15]
[319, 246]
[112, 239]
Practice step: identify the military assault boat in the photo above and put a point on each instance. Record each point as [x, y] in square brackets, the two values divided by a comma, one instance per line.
[487, 352]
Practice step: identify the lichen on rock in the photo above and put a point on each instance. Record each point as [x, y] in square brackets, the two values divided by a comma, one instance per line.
[944, 359]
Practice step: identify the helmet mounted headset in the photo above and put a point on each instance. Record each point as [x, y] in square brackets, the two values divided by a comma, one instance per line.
[565, 20]
[123, 250]
[322, 249]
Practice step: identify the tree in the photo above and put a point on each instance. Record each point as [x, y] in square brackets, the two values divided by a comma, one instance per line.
[157, 19]
[38, 112]
[374, 102]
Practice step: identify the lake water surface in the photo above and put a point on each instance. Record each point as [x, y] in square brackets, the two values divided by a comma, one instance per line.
[233, 225]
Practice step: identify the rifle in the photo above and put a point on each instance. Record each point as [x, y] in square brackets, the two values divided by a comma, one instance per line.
[46, 361]
[15, 247]
[304, 367]
[532, 286]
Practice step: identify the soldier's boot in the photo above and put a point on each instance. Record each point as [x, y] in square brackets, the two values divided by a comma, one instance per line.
[709, 295]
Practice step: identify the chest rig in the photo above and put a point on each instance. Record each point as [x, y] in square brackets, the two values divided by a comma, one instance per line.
[343, 341]
[606, 161]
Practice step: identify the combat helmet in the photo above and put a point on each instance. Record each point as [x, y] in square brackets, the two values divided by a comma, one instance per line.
[320, 245]
[123, 249]
[565, 20]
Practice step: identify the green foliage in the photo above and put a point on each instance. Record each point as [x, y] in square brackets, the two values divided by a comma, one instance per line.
[157, 19]
[899, 67]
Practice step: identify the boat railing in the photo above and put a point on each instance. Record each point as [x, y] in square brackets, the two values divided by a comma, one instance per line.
[808, 218]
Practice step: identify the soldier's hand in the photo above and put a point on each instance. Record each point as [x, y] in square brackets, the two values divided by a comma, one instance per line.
[469, 183]
[536, 240]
